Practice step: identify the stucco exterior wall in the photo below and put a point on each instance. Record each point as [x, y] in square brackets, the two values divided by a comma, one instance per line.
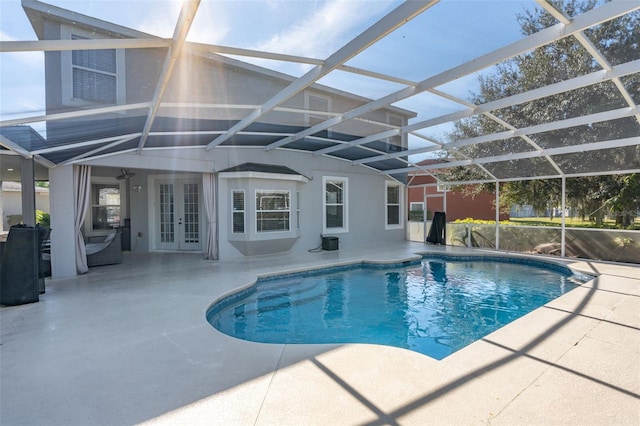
[207, 84]
[366, 195]
[366, 202]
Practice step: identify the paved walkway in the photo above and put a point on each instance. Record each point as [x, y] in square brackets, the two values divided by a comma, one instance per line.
[129, 343]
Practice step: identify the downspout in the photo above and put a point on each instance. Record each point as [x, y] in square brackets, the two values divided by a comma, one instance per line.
[424, 214]
[563, 230]
[497, 215]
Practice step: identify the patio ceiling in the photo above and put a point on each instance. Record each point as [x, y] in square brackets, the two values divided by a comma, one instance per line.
[433, 92]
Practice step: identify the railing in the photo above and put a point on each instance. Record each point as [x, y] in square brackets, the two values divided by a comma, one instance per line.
[587, 243]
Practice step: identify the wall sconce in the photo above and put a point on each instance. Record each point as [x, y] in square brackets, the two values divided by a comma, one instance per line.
[137, 188]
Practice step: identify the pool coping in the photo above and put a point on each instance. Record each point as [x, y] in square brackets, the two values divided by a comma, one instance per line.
[129, 343]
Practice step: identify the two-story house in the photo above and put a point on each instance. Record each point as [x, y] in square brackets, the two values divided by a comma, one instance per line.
[166, 161]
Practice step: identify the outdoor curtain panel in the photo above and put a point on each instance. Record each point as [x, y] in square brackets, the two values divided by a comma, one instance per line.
[82, 193]
[209, 189]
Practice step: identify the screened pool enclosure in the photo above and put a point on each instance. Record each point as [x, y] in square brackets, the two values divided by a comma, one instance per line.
[497, 92]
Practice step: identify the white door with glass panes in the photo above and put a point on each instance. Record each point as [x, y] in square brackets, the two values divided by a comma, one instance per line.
[178, 215]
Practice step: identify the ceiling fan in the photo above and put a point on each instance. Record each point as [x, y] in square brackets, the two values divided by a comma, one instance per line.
[126, 174]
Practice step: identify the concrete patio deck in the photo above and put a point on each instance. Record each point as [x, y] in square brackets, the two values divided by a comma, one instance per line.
[129, 343]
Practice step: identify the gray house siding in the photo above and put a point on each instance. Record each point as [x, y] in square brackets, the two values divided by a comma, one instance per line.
[366, 202]
[210, 82]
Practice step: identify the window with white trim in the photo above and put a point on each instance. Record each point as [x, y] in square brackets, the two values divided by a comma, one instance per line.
[416, 205]
[93, 76]
[273, 210]
[93, 73]
[393, 201]
[334, 204]
[105, 206]
[238, 209]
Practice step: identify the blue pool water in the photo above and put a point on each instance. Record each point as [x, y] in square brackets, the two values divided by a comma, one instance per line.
[434, 306]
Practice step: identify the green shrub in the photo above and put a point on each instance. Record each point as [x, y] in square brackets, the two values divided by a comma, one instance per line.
[43, 218]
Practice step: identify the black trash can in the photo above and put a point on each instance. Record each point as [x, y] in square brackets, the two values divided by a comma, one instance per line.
[19, 270]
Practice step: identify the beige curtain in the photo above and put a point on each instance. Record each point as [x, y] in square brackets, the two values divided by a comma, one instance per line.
[82, 193]
[209, 189]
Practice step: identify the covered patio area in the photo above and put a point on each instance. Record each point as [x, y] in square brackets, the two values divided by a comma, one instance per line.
[130, 343]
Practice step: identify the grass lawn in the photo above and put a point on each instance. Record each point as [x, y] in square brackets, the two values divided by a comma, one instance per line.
[569, 221]
[556, 221]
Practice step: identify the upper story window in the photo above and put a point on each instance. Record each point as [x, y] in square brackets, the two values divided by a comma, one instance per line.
[91, 76]
[273, 210]
[393, 198]
[335, 207]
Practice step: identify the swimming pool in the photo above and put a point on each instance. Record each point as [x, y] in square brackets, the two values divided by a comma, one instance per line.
[435, 306]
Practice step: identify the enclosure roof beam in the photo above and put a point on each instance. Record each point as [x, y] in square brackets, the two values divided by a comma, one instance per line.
[84, 44]
[593, 17]
[75, 145]
[541, 128]
[74, 114]
[593, 51]
[575, 83]
[187, 14]
[396, 18]
[595, 146]
[14, 147]
[202, 48]
[100, 149]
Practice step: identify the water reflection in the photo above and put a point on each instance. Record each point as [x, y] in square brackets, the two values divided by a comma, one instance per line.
[434, 308]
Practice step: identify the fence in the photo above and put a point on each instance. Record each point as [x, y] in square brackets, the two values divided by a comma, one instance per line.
[586, 243]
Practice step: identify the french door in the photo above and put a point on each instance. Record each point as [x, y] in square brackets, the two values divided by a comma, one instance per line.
[178, 216]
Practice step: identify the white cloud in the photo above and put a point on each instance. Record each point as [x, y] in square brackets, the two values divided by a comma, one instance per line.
[325, 30]
[33, 60]
[204, 29]
[22, 100]
[6, 37]
[159, 18]
[22, 84]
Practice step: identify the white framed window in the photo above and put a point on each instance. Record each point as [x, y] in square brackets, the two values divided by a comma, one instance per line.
[105, 206]
[335, 207]
[416, 205]
[238, 211]
[273, 210]
[91, 76]
[393, 202]
[317, 102]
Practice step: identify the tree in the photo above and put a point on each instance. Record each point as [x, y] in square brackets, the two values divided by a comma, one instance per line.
[619, 40]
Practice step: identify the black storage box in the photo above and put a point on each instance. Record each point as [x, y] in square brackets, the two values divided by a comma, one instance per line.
[329, 243]
[19, 274]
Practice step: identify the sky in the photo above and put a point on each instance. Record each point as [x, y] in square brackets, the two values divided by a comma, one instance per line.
[450, 33]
